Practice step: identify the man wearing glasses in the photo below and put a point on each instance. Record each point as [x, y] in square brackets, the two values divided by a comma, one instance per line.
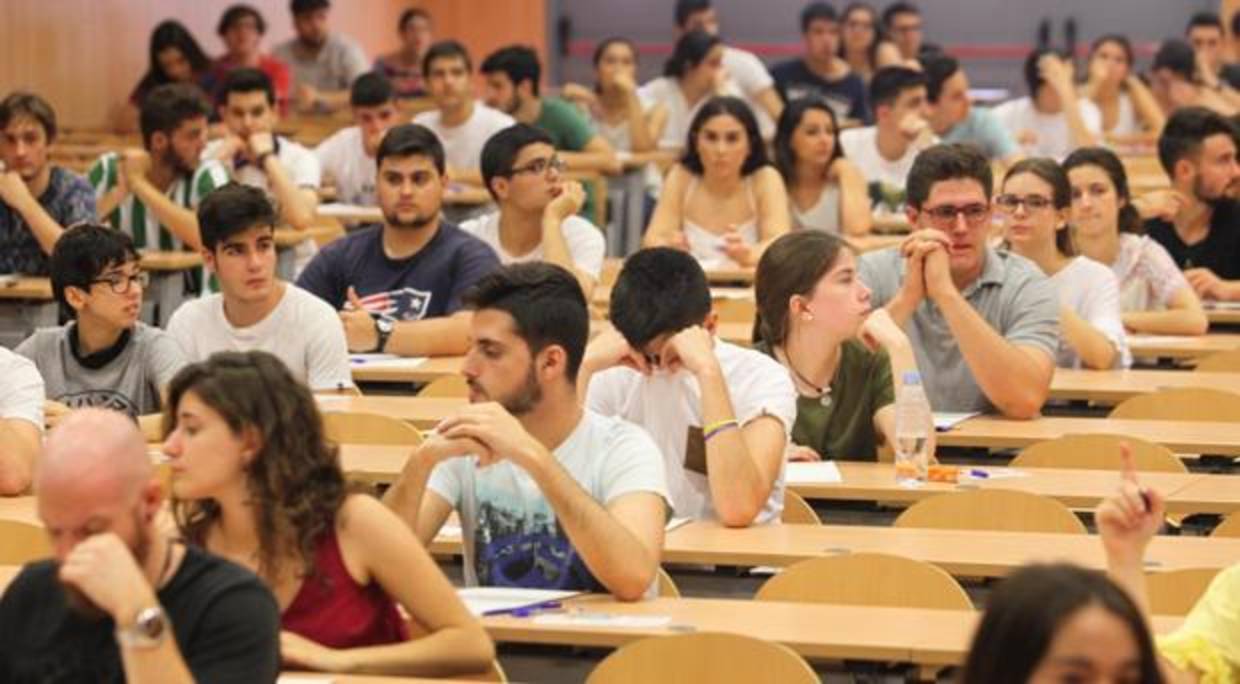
[903, 23]
[983, 322]
[104, 357]
[537, 218]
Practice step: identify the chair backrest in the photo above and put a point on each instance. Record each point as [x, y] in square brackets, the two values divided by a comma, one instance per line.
[797, 510]
[347, 427]
[1182, 403]
[1176, 592]
[1230, 527]
[1098, 452]
[1000, 510]
[22, 542]
[666, 585]
[341, 391]
[866, 579]
[1220, 362]
[735, 310]
[703, 657]
[449, 386]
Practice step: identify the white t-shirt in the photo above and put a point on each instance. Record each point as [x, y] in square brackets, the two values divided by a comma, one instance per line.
[303, 331]
[750, 76]
[508, 526]
[585, 242]
[344, 159]
[1091, 290]
[462, 145]
[1054, 138]
[666, 91]
[669, 405]
[21, 389]
[860, 146]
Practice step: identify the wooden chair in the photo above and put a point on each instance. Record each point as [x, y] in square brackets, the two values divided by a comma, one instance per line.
[735, 310]
[1098, 452]
[349, 391]
[1182, 403]
[999, 510]
[494, 673]
[703, 657]
[345, 427]
[450, 386]
[1230, 527]
[1176, 592]
[1220, 362]
[22, 542]
[866, 579]
[666, 585]
[797, 510]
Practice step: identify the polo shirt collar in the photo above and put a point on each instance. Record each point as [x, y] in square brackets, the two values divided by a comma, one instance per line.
[993, 271]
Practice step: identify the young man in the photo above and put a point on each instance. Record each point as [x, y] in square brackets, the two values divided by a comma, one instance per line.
[984, 323]
[1205, 33]
[953, 118]
[122, 600]
[257, 157]
[462, 124]
[537, 217]
[1175, 82]
[151, 193]
[323, 64]
[1197, 149]
[822, 72]
[885, 151]
[398, 286]
[37, 200]
[105, 357]
[348, 156]
[254, 309]
[1051, 121]
[21, 421]
[550, 495]
[721, 414]
[241, 28]
[903, 23]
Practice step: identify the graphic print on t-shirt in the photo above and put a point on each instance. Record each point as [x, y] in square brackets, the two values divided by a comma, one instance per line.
[100, 398]
[405, 304]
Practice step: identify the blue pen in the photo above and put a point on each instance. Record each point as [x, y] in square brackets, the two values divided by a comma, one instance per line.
[523, 611]
[979, 474]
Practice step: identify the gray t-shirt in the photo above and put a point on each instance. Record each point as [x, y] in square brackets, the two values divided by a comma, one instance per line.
[333, 67]
[1014, 297]
[132, 382]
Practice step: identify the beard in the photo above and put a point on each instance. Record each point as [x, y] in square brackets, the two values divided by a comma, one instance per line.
[521, 400]
[1212, 200]
[416, 223]
[80, 604]
[178, 165]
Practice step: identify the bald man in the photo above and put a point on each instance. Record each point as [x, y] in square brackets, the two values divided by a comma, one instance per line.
[122, 601]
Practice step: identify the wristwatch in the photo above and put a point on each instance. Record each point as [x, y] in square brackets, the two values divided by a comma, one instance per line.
[383, 328]
[149, 629]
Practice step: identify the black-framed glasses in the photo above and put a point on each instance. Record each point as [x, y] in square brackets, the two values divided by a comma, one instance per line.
[121, 283]
[1033, 203]
[945, 214]
[539, 167]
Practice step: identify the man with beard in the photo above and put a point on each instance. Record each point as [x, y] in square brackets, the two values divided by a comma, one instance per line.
[37, 200]
[1197, 149]
[398, 286]
[122, 601]
[550, 495]
[348, 156]
[323, 64]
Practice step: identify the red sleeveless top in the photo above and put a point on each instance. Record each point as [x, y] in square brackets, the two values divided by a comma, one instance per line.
[333, 610]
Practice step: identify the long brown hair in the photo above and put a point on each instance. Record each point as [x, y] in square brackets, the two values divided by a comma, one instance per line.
[1053, 175]
[791, 265]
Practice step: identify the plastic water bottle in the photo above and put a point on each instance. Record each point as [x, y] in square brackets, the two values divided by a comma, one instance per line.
[913, 424]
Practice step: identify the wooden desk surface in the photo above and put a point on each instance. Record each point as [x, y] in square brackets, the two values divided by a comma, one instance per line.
[27, 288]
[993, 432]
[1223, 316]
[431, 369]
[170, 260]
[1182, 346]
[1211, 493]
[1114, 386]
[422, 412]
[291, 237]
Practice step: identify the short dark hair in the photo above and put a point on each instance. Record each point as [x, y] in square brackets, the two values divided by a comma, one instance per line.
[659, 290]
[371, 89]
[789, 119]
[1033, 75]
[408, 140]
[299, 7]
[726, 105]
[231, 209]
[502, 149]
[246, 80]
[792, 265]
[817, 11]
[1177, 57]
[23, 103]
[518, 62]
[889, 82]
[1051, 173]
[236, 13]
[688, 8]
[1185, 131]
[1203, 20]
[938, 67]
[1129, 219]
[1030, 605]
[411, 14]
[546, 303]
[82, 253]
[445, 49]
[690, 50]
[897, 8]
[947, 161]
[168, 106]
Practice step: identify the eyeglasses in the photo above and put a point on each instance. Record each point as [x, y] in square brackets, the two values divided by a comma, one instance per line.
[1033, 203]
[945, 215]
[540, 166]
[121, 284]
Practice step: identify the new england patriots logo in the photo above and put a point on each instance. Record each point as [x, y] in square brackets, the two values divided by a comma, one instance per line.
[406, 304]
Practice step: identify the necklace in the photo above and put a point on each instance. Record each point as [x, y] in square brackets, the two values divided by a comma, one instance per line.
[822, 393]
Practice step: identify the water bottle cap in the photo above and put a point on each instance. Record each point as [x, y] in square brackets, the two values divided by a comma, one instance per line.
[912, 378]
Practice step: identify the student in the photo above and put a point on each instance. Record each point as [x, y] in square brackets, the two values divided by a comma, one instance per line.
[104, 357]
[885, 151]
[821, 72]
[723, 201]
[719, 413]
[323, 64]
[617, 109]
[241, 28]
[256, 156]
[255, 481]
[254, 309]
[398, 285]
[347, 157]
[983, 322]
[863, 43]
[845, 360]
[175, 57]
[403, 66]
[1050, 121]
[902, 21]
[21, 421]
[1175, 81]
[151, 193]
[825, 190]
[551, 495]
[122, 599]
[1130, 114]
[690, 78]
[953, 118]
[37, 199]
[1197, 149]
[1205, 34]
[1060, 623]
[1154, 296]
[1034, 204]
[461, 123]
[537, 218]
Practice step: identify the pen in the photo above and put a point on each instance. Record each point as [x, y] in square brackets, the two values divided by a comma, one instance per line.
[1145, 499]
[523, 611]
[979, 474]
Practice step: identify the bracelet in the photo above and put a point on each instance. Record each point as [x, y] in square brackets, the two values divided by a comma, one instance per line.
[716, 428]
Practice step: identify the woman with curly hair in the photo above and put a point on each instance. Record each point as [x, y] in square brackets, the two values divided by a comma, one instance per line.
[255, 481]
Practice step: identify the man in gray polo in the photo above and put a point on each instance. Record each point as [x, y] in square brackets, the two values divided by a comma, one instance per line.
[984, 323]
[323, 64]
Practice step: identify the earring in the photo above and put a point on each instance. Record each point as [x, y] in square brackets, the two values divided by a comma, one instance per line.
[807, 316]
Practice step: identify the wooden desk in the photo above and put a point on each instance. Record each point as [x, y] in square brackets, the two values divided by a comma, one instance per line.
[431, 369]
[1209, 493]
[993, 432]
[1228, 315]
[466, 196]
[25, 304]
[27, 287]
[423, 412]
[1181, 347]
[349, 212]
[1114, 386]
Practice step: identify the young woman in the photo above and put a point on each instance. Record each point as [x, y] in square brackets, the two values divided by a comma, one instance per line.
[693, 74]
[862, 43]
[254, 481]
[1034, 205]
[403, 67]
[1047, 624]
[845, 358]
[1130, 114]
[175, 57]
[825, 190]
[1154, 295]
[723, 201]
[613, 105]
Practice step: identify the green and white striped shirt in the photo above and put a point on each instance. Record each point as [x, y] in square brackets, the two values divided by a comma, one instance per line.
[139, 222]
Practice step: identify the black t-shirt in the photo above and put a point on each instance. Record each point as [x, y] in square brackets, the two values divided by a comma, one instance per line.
[225, 620]
[1219, 251]
[847, 96]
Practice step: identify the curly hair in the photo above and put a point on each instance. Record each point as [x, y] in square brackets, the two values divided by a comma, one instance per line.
[295, 481]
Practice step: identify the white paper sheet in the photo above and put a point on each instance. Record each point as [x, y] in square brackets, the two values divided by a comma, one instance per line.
[480, 600]
[385, 361]
[817, 472]
[586, 619]
[946, 420]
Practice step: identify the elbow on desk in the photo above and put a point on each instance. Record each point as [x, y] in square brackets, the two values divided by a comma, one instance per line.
[1023, 407]
[14, 481]
[632, 586]
[738, 514]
